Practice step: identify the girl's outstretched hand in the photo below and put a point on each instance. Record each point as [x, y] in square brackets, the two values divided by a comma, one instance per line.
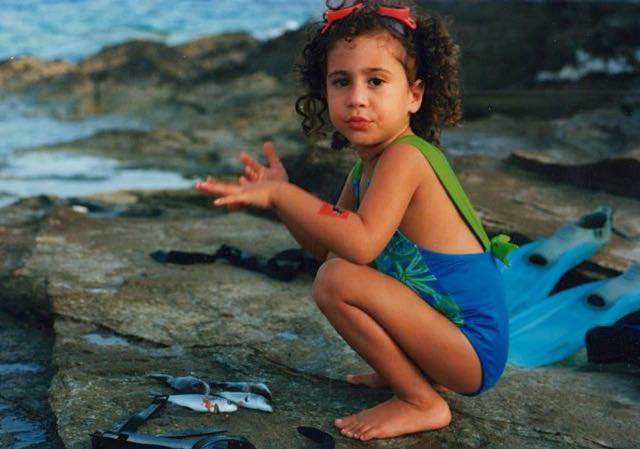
[243, 193]
[254, 171]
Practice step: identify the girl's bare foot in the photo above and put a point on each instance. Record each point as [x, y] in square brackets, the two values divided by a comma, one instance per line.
[373, 380]
[396, 417]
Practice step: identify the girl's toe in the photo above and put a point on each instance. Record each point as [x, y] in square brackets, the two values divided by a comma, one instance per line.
[343, 423]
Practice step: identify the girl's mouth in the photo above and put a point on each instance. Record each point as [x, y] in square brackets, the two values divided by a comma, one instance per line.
[358, 123]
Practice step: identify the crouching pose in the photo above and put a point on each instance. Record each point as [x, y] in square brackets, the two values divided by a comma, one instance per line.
[431, 315]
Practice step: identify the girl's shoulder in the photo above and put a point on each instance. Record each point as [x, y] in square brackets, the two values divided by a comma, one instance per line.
[409, 153]
[423, 153]
[402, 163]
[428, 150]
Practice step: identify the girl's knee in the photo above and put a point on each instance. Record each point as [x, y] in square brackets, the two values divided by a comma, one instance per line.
[328, 286]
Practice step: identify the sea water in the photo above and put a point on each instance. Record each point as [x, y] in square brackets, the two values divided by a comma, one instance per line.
[25, 373]
[71, 30]
[26, 173]
[74, 29]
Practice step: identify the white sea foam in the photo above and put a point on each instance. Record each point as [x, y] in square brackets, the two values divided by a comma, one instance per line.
[27, 173]
[587, 64]
[66, 174]
[22, 126]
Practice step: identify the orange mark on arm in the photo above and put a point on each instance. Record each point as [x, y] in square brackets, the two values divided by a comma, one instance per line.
[333, 211]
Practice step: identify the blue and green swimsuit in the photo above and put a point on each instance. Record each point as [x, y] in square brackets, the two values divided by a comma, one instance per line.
[466, 288]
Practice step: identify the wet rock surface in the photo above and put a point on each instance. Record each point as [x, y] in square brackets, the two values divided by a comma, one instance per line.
[80, 268]
[120, 315]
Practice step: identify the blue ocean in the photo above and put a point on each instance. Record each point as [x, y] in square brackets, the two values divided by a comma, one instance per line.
[71, 30]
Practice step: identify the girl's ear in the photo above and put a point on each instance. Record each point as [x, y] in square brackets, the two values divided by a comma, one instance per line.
[417, 93]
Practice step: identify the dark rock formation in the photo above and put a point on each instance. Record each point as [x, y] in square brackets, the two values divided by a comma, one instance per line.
[511, 69]
[617, 174]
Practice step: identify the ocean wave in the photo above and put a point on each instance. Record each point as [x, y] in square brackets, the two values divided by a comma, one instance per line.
[70, 29]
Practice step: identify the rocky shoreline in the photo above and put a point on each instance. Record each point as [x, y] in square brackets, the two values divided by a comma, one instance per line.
[119, 315]
[80, 267]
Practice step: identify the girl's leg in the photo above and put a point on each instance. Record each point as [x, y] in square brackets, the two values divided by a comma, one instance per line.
[375, 380]
[404, 339]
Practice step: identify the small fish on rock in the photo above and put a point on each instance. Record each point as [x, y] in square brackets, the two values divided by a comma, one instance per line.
[246, 400]
[183, 384]
[203, 403]
[246, 387]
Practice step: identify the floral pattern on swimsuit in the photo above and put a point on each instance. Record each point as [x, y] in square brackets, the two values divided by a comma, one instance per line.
[402, 260]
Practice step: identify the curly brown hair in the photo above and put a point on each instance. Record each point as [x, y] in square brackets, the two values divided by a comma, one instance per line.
[432, 58]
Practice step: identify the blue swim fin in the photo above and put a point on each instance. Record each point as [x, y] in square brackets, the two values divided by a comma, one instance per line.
[537, 266]
[555, 328]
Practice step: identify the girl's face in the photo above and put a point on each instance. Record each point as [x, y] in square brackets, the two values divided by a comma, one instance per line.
[369, 96]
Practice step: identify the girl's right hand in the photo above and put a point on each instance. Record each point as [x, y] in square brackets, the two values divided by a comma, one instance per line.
[243, 193]
[254, 171]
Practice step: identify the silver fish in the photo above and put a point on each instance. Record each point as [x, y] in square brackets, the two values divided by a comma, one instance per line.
[183, 384]
[203, 403]
[246, 400]
[247, 387]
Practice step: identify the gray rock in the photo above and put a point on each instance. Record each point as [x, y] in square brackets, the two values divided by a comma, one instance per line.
[529, 207]
[119, 315]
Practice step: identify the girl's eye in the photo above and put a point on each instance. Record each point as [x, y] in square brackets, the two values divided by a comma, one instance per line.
[376, 81]
[340, 82]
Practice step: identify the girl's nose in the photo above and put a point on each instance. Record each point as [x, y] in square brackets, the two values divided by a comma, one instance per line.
[358, 95]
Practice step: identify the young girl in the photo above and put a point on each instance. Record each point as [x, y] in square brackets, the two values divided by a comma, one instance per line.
[431, 316]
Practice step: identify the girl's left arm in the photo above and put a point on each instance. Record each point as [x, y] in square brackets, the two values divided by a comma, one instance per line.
[356, 236]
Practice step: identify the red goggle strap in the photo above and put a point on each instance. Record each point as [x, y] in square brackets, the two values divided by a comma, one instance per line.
[402, 15]
[334, 15]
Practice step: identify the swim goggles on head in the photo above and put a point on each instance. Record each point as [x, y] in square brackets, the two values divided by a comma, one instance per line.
[401, 15]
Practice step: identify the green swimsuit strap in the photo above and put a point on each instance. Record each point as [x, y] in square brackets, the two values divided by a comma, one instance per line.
[499, 245]
[356, 171]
